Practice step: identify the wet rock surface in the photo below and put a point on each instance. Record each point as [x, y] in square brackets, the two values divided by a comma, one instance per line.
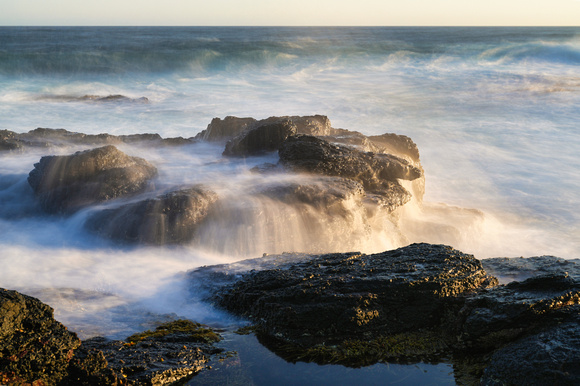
[64, 184]
[55, 138]
[34, 348]
[378, 173]
[171, 354]
[418, 303]
[263, 138]
[167, 219]
[339, 296]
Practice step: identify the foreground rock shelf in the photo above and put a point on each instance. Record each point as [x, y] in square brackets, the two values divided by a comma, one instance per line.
[421, 303]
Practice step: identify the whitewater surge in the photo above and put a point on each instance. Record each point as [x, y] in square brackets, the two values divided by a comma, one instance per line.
[493, 112]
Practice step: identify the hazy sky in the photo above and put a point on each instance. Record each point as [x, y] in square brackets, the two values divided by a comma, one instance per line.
[291, 12]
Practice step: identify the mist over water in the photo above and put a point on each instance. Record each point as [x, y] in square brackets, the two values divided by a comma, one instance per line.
[492, 110]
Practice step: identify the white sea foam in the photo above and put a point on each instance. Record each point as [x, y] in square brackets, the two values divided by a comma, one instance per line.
[495, 123]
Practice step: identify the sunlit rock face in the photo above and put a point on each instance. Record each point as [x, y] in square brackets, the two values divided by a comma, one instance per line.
[34, 348]
[329, 298]
[167, 219]
[65, 184]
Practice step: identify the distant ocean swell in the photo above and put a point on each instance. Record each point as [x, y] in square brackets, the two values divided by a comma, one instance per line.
[111, 51]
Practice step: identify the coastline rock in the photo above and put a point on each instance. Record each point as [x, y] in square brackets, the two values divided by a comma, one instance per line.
[551, 357]
[335, 297]
[45, 138]
[34, 348]
[263, 138]
[64, 184]
[171, 354]
[314, 155]
[327, 194]
[225, 129]
[378, 173]
[168, 219]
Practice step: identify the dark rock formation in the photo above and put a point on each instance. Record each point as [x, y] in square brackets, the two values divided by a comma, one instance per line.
[378, 173]
[230, 127]
[34, 348]
[263, 138]
[46, 138]
[225, 129]
[550, 357]
[496, 316]
[167, 219]
[64, 184]
[335, 297]
[169, 355]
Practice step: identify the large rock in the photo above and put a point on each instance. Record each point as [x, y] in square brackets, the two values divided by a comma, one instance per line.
[169, 355]
[550, 357]
[263, 138]
[168, 219]
[225, 129]
[334, 297]
[378, 173]
[311, 154]
[34, 348]
[64, 184]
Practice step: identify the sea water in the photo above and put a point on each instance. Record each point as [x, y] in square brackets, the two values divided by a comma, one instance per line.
[494, 112]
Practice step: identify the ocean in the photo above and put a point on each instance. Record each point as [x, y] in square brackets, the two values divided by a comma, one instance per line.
[494, 112]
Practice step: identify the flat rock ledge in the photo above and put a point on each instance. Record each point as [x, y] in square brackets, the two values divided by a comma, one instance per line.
[422, 302]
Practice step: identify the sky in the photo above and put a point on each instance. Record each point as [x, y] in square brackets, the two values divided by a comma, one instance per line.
[291, 12]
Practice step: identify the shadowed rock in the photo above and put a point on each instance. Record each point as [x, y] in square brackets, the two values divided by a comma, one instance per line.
[34, 348]
[263, 138]
[64, 184]
[168, 219]
[378, 173]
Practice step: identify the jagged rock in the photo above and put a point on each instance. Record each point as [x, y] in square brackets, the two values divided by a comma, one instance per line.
[170, 355]
[167, 219]
[64, 184]
[230, 127]
[400, 145]
[263, 138]
[378, 173]
[34, 348]
[334, 297]
[225, 129]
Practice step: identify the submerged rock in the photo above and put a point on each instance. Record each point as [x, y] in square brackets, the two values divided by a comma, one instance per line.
[168, 219]
[34, 348]
[65, 184]
[263, 138]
